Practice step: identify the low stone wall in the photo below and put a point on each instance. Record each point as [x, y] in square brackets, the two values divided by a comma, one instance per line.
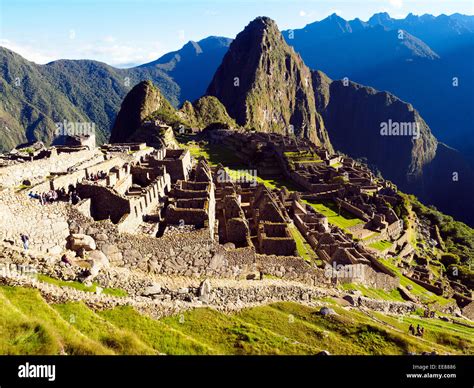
[193, 253]
[290, 268]
[428, 286]
[364, 274]
[352, 209]
[45, 225]
[64, 181]
[277, 245]
[387, 307]
[38, 170]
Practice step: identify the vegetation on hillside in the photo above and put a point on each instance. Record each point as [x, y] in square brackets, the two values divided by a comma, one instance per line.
[31, 326]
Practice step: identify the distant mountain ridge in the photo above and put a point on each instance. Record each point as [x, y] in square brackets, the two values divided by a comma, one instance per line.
[193, 66]
[34, 97]
[415, 58]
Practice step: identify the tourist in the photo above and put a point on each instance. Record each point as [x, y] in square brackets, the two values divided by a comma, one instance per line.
[65, 260]
[75, 198]
[25, 240]
[411, 329]
[418, 331]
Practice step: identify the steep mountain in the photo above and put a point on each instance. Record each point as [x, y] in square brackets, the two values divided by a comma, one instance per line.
[35, 97]
[264, 85]
[193, 66]
[145, 103]
[30, 105]
[354, 116]
[205, 111]
[431, 53]
[139, 103]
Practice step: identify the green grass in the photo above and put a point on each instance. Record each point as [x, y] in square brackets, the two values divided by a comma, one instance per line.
[156, 334]
[453, 336]
[81, 286]
[374, 293]
[329, 209]
[302, 246]
[233, 334]
[381, 245]
[95, 327]
[422, 293]
[217, 154]
[30, 326]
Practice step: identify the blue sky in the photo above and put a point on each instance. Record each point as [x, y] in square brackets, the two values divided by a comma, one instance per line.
[126, 32]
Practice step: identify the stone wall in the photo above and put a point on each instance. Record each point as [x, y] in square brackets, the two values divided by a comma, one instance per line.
[428, 286]
[38, 170]
[192, 253]
[352, 209]
[45, 225]
[291, 268]
[364, 274]
[105, 203]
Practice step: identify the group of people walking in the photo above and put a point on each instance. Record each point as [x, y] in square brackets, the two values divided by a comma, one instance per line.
[56, 195]
[419, 331]
[99, 175]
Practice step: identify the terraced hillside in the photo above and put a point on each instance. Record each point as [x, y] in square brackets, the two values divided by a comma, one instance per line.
[32, 326]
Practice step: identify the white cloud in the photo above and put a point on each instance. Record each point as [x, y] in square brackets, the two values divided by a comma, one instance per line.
[117, 54]
[109, 39]
[108, 51]
[303, 13]
[27, 51]
[396, 3]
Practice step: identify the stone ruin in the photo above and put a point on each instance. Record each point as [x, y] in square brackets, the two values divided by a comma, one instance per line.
[161, 211]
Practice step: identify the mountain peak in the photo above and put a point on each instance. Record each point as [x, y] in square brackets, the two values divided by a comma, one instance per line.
[142, 100]
[260, 26]
[265, 85]
[335, 17]
[262, 22]
[380, 18]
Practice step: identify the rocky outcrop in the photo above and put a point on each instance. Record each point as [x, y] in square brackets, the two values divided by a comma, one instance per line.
[97, 261]
[80, 241]
[139, 103]
[266, 86]
[205, 111]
